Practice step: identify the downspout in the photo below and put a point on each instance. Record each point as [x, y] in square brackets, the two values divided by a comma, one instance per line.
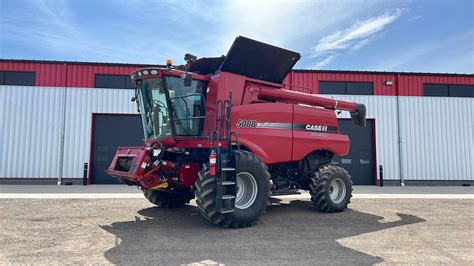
[402, 178]
[63, 128]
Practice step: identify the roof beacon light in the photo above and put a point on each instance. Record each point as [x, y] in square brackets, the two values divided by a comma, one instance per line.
[169, 62]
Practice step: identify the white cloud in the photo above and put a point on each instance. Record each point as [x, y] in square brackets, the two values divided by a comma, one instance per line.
[129, 28]
[284, 23]
[414, 18]
[290, 24]
[324, 61]
[352, 38]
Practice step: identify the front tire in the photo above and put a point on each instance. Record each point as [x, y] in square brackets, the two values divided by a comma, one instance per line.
[168, 199]
[251, 201]
[331, 189]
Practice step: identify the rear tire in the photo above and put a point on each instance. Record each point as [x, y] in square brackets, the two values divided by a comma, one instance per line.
[251, 209]
[165, 199]
[331, 189]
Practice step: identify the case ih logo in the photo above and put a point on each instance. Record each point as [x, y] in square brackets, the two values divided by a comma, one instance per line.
[318, 128]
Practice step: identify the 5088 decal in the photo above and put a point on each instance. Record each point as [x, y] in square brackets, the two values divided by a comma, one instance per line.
[246, 123]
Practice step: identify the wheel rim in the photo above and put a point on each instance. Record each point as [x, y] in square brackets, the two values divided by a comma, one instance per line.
[337, 190]
[246, 190]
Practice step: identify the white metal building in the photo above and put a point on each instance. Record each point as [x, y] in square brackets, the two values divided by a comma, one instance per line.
[422, 124]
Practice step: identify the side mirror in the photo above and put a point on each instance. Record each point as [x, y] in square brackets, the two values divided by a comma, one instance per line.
[188, 79]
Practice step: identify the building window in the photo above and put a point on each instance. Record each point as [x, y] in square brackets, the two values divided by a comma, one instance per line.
[360, 88]
[461, 91]
[340, 87]
[448, 90]
[439, 90]
[331, 87]
[17, 78]
[113, 81]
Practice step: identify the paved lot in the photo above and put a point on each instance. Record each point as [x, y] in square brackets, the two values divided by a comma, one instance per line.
[132, 231]
[121, 189]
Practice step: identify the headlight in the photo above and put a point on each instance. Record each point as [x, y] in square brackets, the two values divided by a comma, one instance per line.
[154, 72]
[156, 152]
[139, 74]
[145, 72]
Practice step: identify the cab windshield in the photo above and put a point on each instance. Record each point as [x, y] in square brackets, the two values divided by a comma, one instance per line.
[168, 108]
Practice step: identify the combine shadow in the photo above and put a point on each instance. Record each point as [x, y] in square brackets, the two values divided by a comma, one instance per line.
[287, 234]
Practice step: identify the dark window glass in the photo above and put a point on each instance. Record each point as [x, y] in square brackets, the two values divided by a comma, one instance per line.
[339, 87]
[20, 78]
[461, 90]
[2, 78]
[359, 88]
[128, 83]
[113, 81]
[435, 90]
[332, 87]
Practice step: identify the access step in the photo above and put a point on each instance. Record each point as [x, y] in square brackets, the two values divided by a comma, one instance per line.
[227, 210]
[227, 169]
[285, 192]
[227, 197]
[228, 183]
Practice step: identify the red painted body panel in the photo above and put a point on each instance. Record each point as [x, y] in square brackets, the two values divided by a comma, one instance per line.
[138, 173]
[270, 144]
[139, 155]
[305, 142]
[188, 173]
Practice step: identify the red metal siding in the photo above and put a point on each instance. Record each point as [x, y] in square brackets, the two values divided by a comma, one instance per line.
[412, 85]
[56, 74]
[406, 84]
[49, 75]
[82, 75]
[312, 79]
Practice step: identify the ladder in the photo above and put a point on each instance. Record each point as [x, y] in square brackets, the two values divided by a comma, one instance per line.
[226, 171]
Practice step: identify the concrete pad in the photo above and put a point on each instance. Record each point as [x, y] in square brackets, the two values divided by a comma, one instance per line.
[134, 232]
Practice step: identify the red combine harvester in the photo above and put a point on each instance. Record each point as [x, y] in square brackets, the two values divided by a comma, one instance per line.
[224, 130]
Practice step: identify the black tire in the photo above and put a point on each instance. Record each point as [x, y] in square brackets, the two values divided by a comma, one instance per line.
[205, 192]
[168, 199]
[320, 188]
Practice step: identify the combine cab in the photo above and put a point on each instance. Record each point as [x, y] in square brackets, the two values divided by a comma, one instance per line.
[224, 130]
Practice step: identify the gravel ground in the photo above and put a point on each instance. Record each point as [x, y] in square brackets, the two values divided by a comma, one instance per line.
[132, 231]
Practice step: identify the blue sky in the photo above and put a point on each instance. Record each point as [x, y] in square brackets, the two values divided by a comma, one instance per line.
[426, 36]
